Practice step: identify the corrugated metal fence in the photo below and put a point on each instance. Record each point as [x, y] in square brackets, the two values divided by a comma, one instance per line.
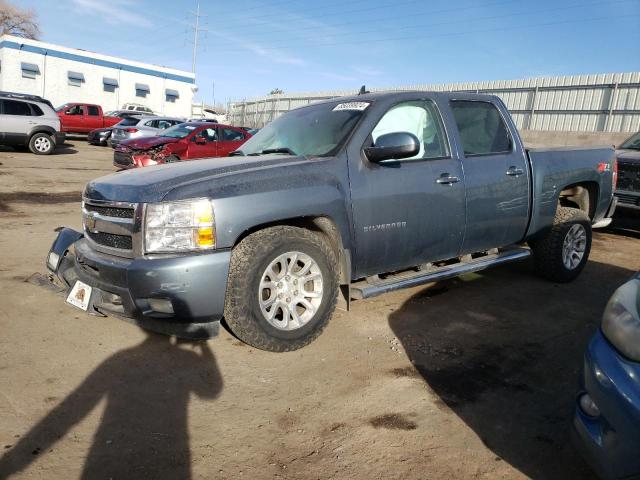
[608, 102]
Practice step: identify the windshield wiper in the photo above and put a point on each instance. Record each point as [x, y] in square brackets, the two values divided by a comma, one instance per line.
[236, 153]
[286, 150]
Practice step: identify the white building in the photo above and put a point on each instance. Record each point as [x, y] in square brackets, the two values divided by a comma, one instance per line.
[63, 75]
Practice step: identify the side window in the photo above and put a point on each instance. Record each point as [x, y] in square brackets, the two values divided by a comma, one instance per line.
[13, 107]
[231, 135]
[76, 110]
[420, 118]
[93, 110]
[152, 123]
[36, 111]
[209, 134]
[162, 124]
[482, 130]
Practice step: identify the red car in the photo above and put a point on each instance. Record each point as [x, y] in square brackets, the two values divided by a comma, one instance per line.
[186, 141]
[83, 117]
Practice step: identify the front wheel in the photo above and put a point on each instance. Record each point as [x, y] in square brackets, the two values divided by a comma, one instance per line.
[42, 144]
[282, 288]
[562, 253]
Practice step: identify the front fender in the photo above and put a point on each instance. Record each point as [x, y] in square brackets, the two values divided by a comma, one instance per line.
[66, 237]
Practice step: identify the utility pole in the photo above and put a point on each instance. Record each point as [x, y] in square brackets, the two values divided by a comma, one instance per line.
[196, 34]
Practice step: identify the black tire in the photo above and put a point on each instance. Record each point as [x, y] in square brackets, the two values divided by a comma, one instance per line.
[249, 260]
[42, 144]
[548, 249]
[172, 159]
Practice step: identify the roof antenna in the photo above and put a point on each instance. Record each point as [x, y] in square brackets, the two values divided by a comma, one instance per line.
[363, 90]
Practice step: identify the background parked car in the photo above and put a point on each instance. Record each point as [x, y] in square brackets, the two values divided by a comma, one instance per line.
[628, 191]
[83, 117]
[29, 121]
[144, 127]
[186, 141]
[136, 107]
[101, 136]
[607, 417]
[125, 113]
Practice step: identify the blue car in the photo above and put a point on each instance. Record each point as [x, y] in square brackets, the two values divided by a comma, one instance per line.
[607, 417]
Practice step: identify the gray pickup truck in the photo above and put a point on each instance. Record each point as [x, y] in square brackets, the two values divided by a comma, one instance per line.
[343, 199]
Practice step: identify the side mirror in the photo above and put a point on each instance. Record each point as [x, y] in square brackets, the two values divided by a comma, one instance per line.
[393, 146]
[200, 140]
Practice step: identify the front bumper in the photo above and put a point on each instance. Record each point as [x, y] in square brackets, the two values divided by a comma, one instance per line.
[610, 442]
[194, 284]
[628, 199]
[60, 137]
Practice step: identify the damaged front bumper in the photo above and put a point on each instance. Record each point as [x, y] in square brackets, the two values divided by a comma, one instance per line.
[180, 295]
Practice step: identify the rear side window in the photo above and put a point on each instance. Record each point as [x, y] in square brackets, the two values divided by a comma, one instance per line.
[231, 135]
[481, 128]
[13, 107]
[93, 110]
[128, 121]
[36, 111]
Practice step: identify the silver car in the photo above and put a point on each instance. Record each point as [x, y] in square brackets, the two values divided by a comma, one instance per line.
[146, 126]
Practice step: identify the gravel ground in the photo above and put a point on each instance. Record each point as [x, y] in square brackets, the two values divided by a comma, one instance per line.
[471, 378]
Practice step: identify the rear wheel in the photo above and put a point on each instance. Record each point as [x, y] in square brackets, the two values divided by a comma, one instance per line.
[282, 288]
[561, 254]
[42, 144]
[172, 159]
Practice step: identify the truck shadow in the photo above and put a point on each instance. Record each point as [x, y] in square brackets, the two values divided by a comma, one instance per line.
[504, 353]
[143, 432]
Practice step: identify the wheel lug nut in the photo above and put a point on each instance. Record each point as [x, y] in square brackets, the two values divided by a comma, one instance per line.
[295, 282]
[279, 295]
[286, 278]
[296, 293]
[279, 285]
[288, 300]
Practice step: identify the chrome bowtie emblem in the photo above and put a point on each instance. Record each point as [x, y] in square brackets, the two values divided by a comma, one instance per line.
[90, 222]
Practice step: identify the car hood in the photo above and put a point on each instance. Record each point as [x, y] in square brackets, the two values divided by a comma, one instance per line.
[145, 143]
[628, 155]
[191, 179]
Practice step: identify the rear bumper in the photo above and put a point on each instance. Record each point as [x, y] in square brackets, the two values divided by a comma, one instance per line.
[610, 442]
[194, 284]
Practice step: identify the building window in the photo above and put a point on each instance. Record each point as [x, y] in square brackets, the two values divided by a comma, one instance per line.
[75, 79]
[142, 90]
[29, 70]
[109, 84]
[171, 95]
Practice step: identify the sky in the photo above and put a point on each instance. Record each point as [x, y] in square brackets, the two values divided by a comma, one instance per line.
[249, 47]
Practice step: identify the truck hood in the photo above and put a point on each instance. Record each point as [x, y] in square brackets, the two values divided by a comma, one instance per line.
[628, 156]
[183, 180]
[145, 143]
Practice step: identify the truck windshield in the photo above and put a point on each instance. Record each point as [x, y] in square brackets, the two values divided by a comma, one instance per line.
[181, 130]
[316, 130]
[632, 143]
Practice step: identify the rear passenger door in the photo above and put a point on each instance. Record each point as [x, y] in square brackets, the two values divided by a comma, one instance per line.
[230, 140]
[93, 119]
[496, 175]
[15, 121]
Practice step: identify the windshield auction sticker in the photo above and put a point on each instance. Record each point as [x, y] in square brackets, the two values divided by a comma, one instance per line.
[358, 106]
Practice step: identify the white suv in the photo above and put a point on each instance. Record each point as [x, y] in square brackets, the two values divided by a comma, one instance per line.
[29, 121]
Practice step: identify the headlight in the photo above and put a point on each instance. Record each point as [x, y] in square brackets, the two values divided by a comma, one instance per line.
[621, 320]
[179, 226]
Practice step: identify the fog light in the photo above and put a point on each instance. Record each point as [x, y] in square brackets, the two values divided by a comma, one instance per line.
[52, 261]
[161, 305]
[588, 406]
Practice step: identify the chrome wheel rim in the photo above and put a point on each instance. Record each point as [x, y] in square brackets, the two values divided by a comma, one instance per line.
[290, 291]
[42, 144]
[574, 246]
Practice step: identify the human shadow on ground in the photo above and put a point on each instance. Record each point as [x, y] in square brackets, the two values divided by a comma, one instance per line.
[143, 432]
[503, 351]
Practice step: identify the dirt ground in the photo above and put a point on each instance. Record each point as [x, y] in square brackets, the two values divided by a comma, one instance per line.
[472, 378]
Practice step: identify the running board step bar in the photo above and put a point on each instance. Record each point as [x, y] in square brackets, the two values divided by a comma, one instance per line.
[367, 289]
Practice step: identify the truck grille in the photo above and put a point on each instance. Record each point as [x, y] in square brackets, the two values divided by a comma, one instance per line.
[112, 227]
[629, 176]
[625, 199]
[122, 159]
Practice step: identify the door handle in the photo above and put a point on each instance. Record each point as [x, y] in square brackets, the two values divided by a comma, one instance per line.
[446, 179]
[514, 171]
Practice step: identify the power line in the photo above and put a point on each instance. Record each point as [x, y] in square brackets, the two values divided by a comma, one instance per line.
[458, 33]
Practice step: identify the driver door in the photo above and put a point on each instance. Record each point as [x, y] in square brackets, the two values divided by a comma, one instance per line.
[410, 211]
[204, 144]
